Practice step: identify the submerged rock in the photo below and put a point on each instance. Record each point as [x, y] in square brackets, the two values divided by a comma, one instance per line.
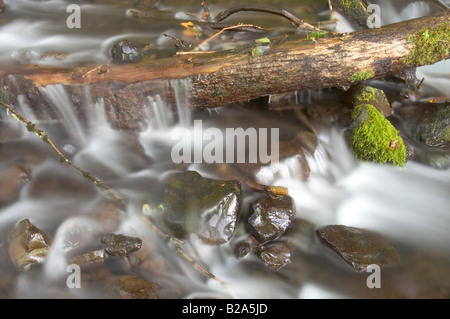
[132, 287]
[271, 216]
[28, 245]
[275, 254]
[359, 247]
[12, 179]
[89, 259]
[209, 208]
[120, 245]
[125, 51]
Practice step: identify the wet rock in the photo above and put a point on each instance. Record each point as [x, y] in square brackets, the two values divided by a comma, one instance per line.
[206, 207]
[132, 287]
[359, 247]
[242, 249]
[12, 179]
[245, 247]
[125, 51]
[275, 255]
[307, 141]
[92, 258]
[121, 245]
[28, 245]
[433, 127]
[53, 55]
[292, 157]
[271, 216]
[364, 94]
[109, 216]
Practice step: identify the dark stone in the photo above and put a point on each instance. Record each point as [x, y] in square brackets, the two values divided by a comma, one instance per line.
[359, 247]
[206, 207]
[433, 127]
[275, 255]
[121, 245]
[271, 216]
[125, 51]
[242, 249]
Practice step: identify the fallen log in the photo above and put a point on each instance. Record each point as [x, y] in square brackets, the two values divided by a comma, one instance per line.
[286, 64]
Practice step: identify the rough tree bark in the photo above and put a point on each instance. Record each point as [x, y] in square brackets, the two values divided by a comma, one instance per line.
[223, 78]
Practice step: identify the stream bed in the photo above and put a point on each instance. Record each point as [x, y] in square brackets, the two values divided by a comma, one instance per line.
[406, 209]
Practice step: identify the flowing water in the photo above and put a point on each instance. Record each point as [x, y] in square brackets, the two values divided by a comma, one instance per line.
[409, 206]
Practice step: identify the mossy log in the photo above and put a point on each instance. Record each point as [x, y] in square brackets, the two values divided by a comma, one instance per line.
[222, 78]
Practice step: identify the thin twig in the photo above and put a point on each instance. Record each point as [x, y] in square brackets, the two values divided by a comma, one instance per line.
[31, 127]
[178, 246]
[193, 52]
[283, 13]
[206, 16]
[223, 30]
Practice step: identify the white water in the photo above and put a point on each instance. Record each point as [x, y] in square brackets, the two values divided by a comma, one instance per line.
[407, 205]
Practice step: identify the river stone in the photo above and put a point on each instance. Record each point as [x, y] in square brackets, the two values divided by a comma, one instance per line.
[275, 255]
[359, 247]
[12, 179]
[271, 216]
[28, 245]
[207, 207]
[132, 287]
[89, 259]
[119, 245]
[433, 127]
[364, 94]
[126, 51]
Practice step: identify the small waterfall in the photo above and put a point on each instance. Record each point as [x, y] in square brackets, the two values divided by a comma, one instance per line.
[61, 104]
[407, 205]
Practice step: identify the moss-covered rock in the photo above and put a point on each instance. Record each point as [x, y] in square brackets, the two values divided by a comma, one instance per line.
[374, 138]
[364, 94]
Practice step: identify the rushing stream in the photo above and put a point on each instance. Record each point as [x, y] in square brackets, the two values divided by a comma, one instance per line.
[409, 206]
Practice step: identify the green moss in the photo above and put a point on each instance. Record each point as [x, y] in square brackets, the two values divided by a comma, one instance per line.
[219, 92]
[316, 34]
[353, 5]
[361, 76]
[429, 45]
[31, 127]
[367, 95]
[375, 138]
